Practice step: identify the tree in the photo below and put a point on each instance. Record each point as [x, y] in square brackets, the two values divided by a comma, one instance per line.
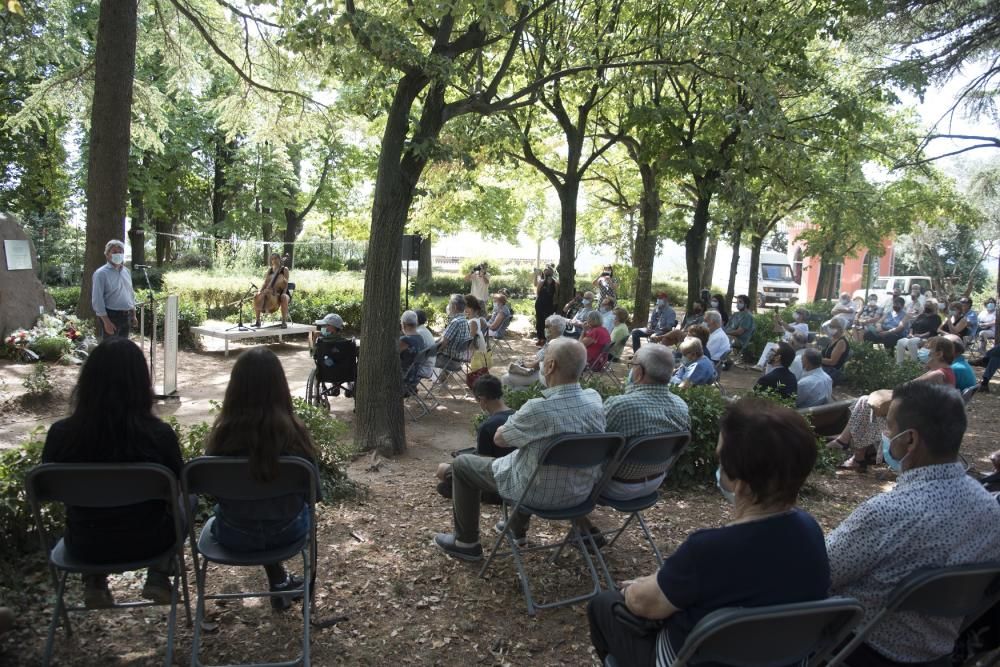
[110, 125]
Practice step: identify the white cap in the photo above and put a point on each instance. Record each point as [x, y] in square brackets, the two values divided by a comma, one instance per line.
[331, 320]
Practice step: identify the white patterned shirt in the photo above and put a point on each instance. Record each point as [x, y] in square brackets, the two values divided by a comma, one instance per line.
[564, 409]
[936, 516]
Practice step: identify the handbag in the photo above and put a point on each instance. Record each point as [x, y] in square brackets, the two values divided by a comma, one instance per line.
[472, 376]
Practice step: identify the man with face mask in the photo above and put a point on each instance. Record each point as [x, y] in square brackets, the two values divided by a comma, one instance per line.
[564, 408]
[936, 516]
[741, 325]
[112, 297]
[661, 320]
[587, 306]
[844, 309]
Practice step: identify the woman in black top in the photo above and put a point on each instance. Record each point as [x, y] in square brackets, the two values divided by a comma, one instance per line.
[113, 421]
[257, 421]
[545, 302]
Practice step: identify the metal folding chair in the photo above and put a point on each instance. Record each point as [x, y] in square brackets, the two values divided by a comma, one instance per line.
[439, 382]
[949, 592]
[576, 451]
[96, 485]
[643, 458]
[501, 343]
[720, 365]
[601, 367]
[968, 393]
[412, 387]
[229, 477]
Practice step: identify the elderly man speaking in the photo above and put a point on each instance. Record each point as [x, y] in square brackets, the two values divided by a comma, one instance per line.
[565, 408]
[112, 297]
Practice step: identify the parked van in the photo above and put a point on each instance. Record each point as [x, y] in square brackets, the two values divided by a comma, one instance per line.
[884, 285]
[775, 279]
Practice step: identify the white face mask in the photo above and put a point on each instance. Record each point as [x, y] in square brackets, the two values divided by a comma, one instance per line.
[117, 258]
[714, 304]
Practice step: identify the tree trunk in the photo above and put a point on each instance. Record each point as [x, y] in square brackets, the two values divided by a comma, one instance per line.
[380, 420]
[137, 233]
[293, 227]
[266, 230]
[755, 243]
[644, 252]
[694, 242]
[223, 159]
[568, 193]
[162, 227]
[734, 266]
[110, 132]
[824, 283]
[425, 270]
[709, 269]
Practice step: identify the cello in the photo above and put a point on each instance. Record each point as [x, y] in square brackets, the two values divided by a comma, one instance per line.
[274, 293]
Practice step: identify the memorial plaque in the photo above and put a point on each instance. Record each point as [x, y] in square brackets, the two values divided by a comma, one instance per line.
[18, 254]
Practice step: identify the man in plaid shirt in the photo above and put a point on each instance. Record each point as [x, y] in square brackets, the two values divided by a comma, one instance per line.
[454, 342]
[566, 408]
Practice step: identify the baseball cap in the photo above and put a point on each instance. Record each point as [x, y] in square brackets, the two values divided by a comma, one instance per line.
[332, 320]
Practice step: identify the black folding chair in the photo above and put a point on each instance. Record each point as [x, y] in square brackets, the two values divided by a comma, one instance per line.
[411, 386]
[784, 634]
[578, 452]
[97, 485]
[229, 477]
[948, 592]
[640, 460]
[720, 365]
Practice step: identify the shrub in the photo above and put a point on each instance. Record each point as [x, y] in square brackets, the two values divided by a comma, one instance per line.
[442, 286]
[869, 369]
[17, 525]
[66, 298]
[38, 383]
[52, 348]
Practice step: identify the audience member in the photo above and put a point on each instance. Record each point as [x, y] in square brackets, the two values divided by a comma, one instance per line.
[500, 318]
[921, 329]
[799, 324]
[695, 316]
[935, 516]
[741, 325]
[769, 553]
[565, 408]
[942, 354]
[914, 305]
[527, 373]
[595, 337]
[799, 343]
[619, 333]
[835, 354]
[955, 322]
[718, 344]
[570, 309]
[781, 379]
[488, 393]
[411, 343]
[869, 316]
[607, 284]
[864, 428]
[546, 287]
[718, 302]
[696, 368]
[481, 358]
[112, 422]
[453, 345]
[579, 320]
[887, 304]
[844, 310]
[892, 326]
[647, 407]
[331, 329]
[987, 319]
[257, 421]
[992, 361]
[814, 387]
[429, 343]
[965, 377]
[661, 320]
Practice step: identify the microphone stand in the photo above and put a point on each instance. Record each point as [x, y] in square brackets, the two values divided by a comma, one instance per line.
[152, 333]
[248, 294]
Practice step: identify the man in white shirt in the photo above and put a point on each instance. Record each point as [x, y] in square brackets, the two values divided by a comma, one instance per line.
[815, 386]
[479, 281]
[844, 309]
[800, 324]
[718, 341]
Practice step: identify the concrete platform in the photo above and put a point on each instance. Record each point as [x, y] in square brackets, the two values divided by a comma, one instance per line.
[219, 330]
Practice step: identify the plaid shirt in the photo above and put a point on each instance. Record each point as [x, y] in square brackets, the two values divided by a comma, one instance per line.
[456, 337]
[564, 409]
[644, 409]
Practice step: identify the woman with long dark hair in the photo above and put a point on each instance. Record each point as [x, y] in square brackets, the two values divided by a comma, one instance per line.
[257, 421]
[113, 421]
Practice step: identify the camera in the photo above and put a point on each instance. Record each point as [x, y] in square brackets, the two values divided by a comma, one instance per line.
[478, 268]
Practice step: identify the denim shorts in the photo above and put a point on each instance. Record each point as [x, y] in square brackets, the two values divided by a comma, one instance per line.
[260, 535]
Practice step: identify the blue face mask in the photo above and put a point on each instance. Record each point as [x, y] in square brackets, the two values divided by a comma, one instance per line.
[896, 465]
[629, 380]
[586, 302]
[729, 495]
[661, 302]
[991, 307]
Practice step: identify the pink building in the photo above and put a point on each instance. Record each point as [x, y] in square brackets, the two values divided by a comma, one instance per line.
[849, 274]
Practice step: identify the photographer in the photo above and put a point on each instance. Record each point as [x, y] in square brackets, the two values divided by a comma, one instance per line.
[479, 279]
[607, 284]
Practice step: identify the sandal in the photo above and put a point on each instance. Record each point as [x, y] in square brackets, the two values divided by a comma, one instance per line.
[838, 443]
[853, 464]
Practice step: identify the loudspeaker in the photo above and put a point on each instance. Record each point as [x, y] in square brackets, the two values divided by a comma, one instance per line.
[411, 247]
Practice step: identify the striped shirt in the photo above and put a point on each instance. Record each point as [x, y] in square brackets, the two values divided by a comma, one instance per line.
[563, 409]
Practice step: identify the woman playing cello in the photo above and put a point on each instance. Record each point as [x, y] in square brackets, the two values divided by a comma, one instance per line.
[274, 293]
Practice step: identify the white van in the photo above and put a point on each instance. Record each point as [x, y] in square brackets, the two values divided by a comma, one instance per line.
[775, 279]
[884, 285]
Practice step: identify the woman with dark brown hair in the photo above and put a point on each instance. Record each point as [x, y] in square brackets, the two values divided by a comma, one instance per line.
[257, 421]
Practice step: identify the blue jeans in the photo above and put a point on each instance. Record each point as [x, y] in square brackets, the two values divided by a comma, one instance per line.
[993, 365]
[261, 536]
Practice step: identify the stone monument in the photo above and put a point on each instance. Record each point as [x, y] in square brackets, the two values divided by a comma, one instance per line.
[21, 292]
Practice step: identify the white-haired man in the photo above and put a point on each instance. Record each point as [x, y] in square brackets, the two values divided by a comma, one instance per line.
[112, 296]
[565, 408]
[718, 342]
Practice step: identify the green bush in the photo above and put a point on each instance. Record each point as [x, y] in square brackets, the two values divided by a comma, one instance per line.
[17, 525]
[314, 305]
[869, 369]
[66, 298]
[52, 348]
[38, 383]
[442, 285]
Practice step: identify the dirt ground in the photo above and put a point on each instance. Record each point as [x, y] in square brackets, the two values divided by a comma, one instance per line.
[385, 594]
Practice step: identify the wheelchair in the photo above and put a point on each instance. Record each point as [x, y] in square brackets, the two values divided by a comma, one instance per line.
[335, 371]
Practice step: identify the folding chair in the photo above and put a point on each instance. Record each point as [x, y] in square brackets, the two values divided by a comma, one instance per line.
[949, 592]
[502, 342]
[643, 458]
[229, 477]
[97, 485]
[720, 365]
[783, 634]
[968, 393]
[411, 385]
[441, 375]
[601, 367]
[579, 452]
